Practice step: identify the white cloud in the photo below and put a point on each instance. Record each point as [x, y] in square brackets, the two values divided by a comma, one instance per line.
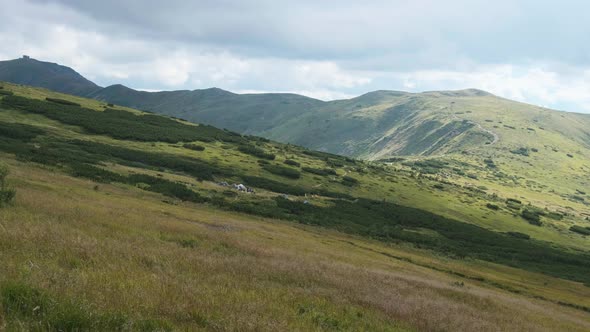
[336, 52]
[533, 83]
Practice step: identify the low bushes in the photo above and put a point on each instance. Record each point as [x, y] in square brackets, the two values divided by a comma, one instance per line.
[513, 204]
[62, 101]
[349, 181]
[7, 194]
[282, 171]
[490, 163]
[147, 182]
[291, 162]
[194, 147]
[255, 151]
[19, 131]
[319, 171]
[521, 151]
[492, 206]
[120, 124]
[519, 235]
[278, 187]
[554, 215]
[580, 230]
[533, 217]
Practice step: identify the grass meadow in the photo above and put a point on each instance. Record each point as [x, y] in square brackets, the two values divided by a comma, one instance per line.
[79, 256]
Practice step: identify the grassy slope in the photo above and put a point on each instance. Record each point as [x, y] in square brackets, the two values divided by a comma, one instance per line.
[121, 250]
[393, 183]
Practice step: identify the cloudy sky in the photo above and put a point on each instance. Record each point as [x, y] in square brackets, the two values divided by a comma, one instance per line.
[535, 51]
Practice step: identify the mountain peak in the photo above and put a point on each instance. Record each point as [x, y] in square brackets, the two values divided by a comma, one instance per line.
[29, 71]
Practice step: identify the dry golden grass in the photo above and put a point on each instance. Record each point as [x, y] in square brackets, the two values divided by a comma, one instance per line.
[122, 250]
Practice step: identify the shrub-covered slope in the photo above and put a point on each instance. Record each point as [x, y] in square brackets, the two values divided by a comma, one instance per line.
[420, 213]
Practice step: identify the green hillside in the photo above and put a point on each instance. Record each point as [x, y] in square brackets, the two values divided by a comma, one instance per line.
[244, 113]
[142, 203]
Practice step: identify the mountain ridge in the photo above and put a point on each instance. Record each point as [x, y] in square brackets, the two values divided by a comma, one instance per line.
[375, 125]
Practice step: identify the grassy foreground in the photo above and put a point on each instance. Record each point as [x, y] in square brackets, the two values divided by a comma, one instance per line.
[118, 258]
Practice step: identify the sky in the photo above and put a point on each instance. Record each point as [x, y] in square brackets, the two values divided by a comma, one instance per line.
[532, 51]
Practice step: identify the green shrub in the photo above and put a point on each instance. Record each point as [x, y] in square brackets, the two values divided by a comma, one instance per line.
[580, 230]
[62, 101]
[555, 215]
[275, 186]
[429, 166]
[255, 151]
[121, 124]
[519, 235]
[492, 206]
[291, 162]
[532, 217]
[490, 163]
[194, 147]
[19, 131]
[334, 163]
[6, 93]
[282, 171]
[349, 181]
[7, 194]
[578, 198]
[521, 151]
[319, 171]
[143, 181]
[513, 204]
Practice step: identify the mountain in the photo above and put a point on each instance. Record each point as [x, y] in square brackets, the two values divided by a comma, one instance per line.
[376, 125]
[126, 220]
[47, 75]
[244, 113]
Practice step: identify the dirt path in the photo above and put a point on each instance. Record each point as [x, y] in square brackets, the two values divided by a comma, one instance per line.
[479, 126]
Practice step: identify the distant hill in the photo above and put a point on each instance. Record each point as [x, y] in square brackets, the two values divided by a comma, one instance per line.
[47, 75]
[376, 125]
[244, 113]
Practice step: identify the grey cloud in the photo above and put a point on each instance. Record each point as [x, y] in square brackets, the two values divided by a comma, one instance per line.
[322, 48]
[405, 33]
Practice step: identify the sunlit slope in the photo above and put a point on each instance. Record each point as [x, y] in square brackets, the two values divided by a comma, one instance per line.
[115, 257]
[404, 201]
[129, 188]
[386, 123]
